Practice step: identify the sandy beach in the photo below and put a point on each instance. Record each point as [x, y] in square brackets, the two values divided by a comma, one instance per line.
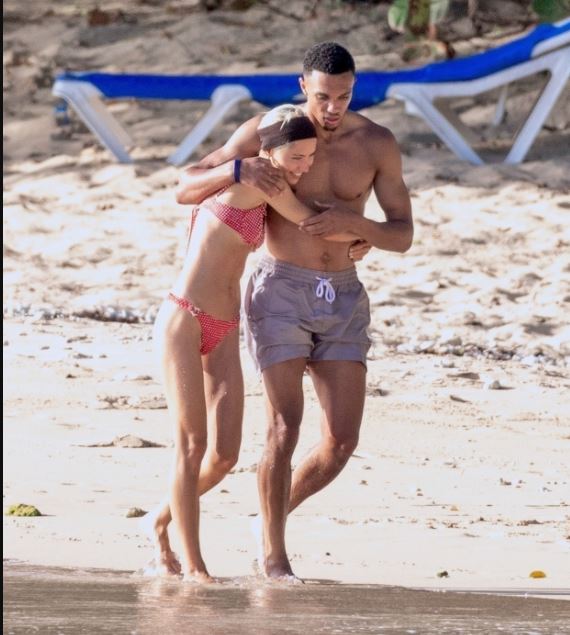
[462, 476]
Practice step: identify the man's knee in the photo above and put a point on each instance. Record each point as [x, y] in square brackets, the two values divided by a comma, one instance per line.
[283, 432]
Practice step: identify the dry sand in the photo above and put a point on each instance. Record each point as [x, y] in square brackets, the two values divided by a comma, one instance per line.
[463, 461]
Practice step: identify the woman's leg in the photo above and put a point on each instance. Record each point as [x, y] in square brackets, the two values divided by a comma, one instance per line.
[223, 387]
[177, 335]
[224, 391]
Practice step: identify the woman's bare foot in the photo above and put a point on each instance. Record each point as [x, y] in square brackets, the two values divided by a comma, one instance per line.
[155, 526]
[168, 563]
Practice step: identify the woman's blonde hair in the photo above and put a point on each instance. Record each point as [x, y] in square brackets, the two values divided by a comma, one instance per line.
[283, 125]
[282, 114]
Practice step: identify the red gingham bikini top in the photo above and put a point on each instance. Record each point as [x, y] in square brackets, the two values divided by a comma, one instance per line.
[248, 223]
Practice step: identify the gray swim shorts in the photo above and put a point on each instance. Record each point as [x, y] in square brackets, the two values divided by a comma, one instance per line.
[295, 312]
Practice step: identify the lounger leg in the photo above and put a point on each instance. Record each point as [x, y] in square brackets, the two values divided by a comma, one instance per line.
[446, 111]
[559, 75]
[86, 101]
[501, 108]
[441, 126]
[224, 99]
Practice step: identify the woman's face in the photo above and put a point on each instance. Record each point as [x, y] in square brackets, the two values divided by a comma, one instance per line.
[294, 159]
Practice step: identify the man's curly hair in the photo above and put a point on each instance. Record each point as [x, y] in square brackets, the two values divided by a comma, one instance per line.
[328, 57]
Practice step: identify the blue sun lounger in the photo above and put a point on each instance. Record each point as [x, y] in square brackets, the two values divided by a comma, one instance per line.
[545, 48]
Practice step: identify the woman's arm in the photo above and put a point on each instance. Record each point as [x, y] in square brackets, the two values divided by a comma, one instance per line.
[290, 207]
[198, 181]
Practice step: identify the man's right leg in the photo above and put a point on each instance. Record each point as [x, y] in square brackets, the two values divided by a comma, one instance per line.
[341, 388]
[284, 403]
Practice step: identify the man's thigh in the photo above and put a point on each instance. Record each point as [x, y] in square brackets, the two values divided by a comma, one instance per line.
[283, 384]
[343, 334]
[278, 319]
[341, 390]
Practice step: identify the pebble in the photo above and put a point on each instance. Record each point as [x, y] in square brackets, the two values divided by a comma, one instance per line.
[136, 512]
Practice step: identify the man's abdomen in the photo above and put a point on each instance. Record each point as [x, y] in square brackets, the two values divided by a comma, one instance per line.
[285, 241]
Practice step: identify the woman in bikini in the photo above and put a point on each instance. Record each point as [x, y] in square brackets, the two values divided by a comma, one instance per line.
[198, 336]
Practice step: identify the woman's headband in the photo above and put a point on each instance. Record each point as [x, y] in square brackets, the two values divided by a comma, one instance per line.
[280, 133]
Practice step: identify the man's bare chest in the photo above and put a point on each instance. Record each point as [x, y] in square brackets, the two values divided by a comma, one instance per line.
[341, 174]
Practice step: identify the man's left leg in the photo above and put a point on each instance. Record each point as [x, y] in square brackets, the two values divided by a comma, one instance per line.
[340, 388]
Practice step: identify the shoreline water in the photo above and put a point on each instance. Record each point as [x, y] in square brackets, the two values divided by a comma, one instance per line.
[72, 601]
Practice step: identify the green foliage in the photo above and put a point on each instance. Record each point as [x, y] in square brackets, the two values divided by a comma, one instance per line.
[438, 10]
[551, 10]
[416, 16]
[397, 15]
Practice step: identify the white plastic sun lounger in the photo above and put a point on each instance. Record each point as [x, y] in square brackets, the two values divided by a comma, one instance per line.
[545, 48]
[496, 68]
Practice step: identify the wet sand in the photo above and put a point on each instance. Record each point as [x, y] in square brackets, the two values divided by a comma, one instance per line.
[73, 601]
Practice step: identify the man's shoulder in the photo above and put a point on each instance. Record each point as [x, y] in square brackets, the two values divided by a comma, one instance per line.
[245, 140]
[364, 125]
[364, 128]
[250, 125]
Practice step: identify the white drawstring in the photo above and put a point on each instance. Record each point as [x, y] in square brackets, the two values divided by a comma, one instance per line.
[325, 288]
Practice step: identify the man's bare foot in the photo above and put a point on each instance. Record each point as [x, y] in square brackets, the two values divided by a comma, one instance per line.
[280, 572]
[274, 571]
[198, 577]
[288, 579]
[283, 578]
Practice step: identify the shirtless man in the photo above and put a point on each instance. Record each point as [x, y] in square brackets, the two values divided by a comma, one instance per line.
[306, 308]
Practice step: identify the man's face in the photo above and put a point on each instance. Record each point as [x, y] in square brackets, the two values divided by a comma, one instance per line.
[328, 97]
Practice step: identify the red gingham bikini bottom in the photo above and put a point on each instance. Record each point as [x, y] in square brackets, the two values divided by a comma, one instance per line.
[213, 329]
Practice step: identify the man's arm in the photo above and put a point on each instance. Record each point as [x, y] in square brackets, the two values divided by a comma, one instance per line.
[215, 171]
[393, 234]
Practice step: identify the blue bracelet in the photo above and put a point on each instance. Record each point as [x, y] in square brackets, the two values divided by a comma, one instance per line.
[237, 170]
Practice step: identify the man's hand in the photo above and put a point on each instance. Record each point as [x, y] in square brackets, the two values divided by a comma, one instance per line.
[358, 249]
[334, 220]
[259, 173]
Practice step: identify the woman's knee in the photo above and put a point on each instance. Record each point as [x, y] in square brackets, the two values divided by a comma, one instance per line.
[190, 452]
[343, 446]
[222, 461]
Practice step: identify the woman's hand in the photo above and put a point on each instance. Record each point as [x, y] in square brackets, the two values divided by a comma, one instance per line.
[358, 249]
[332, 221]
[260, 174]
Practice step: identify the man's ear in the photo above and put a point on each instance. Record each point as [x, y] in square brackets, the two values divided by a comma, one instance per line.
[302, 85]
